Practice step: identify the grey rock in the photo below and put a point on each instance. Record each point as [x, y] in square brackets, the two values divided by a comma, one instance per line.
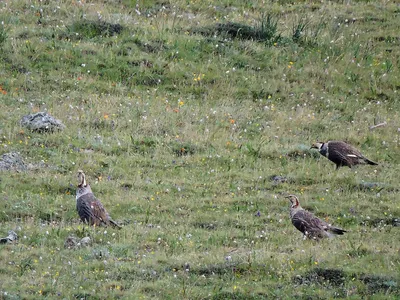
[278, 179]
[371, 186]
[11, 238]
[41, 122]
[86, 241]
[12, 161]
[101, 253]
[72, 242]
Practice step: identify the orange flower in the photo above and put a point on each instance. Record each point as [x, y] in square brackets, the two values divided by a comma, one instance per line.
[232, 121]
[105, 116]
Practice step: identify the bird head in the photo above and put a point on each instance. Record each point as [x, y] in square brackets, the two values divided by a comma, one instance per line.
[294, 201]
[81, 179]
[317, 145]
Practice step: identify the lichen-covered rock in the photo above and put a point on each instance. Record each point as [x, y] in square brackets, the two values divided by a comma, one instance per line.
[12, 161]
[71, 242]
[41, 122]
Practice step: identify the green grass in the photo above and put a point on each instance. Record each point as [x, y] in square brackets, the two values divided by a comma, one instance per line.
[181, 116]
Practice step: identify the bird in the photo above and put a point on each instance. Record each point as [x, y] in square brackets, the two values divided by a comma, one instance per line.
[306, 222]
[89, 208]
[341, 153]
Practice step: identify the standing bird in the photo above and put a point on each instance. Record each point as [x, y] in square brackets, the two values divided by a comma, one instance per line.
[342, 154]
[89, 208]
[306, 222]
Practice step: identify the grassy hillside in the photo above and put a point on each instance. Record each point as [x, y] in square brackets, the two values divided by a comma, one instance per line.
[192, 121]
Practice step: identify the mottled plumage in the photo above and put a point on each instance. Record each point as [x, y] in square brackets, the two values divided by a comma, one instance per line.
[341, 153]
[307, 223]
[89, 208]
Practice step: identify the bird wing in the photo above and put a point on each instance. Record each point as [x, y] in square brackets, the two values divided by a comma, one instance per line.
[342, 153]
[99, 211]
[90, 209]
[348, 150]
[356, 155]
[83, 207]
[308, 222]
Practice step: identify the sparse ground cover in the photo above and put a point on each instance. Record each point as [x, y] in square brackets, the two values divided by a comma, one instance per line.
[192, 120]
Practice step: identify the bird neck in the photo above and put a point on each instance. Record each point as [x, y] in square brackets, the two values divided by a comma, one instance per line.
[294, 209]
[324, 149]
[83, 190]
[82, 182]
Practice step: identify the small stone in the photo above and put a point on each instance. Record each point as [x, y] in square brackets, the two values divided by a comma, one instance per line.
[11, 238]
[278, 179]
[41, 122]
[86, 241]
[71, 242]
[187, 267]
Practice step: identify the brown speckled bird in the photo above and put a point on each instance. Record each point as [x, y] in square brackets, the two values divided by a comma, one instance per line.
[306, 222]
[341, 153]
[89, 208]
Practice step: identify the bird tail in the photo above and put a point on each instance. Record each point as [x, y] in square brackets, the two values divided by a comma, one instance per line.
[336, 230]
[370, 162]
[115, 224]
